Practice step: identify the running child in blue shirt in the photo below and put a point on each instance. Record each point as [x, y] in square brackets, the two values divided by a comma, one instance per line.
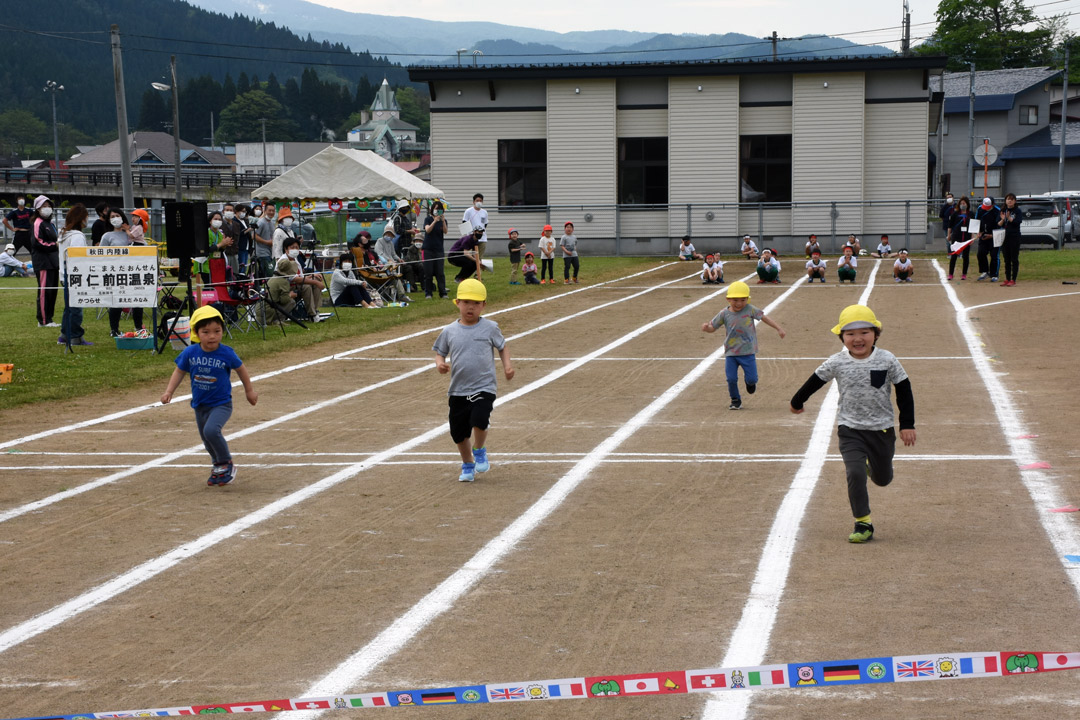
[209, 364]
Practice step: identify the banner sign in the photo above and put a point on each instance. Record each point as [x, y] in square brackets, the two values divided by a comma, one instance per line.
[864, 671]
[112, 276]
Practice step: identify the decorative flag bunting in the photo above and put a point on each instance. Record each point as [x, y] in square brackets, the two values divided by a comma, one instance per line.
[902, 668]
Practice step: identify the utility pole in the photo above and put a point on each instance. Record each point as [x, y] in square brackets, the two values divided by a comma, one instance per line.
[905, 42]
[54, 88]
[1064, 123]
[212, 130]
[263, 121]
[127, 187]
[971, 134]
[175, 128]
[774, 39]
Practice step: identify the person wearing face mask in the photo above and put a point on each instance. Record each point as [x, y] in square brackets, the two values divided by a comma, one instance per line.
[71, 327]
[284, 230]
[346, 289]
[101, 225]
[247, 236]
[120, 236]
[435, 229]
[233, 229]
[265, 228]
[958, 233]
[18, 221]
[46, 256]
[477, 215]
[946, 212]
[300, 286]
[404, 228]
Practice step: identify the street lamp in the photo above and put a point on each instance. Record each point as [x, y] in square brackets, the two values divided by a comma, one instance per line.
[175, 123]
[52, 87]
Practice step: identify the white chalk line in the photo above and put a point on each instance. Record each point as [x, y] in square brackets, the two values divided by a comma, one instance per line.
[502, 460]
[163, 459]
[299, 366]
[1020, 299]
[650, 359]
[751, 637]
[1043, 488]
[145, 571]
[439, 600]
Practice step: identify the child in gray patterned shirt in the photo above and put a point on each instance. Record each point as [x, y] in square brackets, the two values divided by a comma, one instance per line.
[864, 374]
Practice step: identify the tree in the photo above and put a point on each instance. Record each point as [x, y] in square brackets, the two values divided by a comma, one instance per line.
[991, 34]
[273, 89]
[153, 113]
[241, 121]
[228, 90]
[20, 129]
[243, 85]
[416, 109]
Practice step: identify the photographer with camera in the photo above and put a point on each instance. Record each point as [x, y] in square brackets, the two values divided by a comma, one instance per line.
[434, 252]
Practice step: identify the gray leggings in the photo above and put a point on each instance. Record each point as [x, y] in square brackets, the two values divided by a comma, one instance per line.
[211, 421]
[857, 447]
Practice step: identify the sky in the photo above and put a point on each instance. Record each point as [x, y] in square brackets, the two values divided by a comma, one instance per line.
[789, 18]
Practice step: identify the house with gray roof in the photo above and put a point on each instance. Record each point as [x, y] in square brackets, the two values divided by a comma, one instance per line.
[1012, 110]
[152, 151]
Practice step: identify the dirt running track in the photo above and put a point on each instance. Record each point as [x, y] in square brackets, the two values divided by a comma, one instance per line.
[647, 563]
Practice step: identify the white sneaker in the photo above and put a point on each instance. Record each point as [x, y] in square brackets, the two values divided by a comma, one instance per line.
[984, 276]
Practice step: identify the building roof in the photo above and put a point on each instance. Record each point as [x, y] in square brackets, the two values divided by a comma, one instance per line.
[1044, 144]
[433, 73]
[151, 148]
[385, 98]
[995, 90]
[392, 123]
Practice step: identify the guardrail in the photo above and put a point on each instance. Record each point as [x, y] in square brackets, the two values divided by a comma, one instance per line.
[144, 179]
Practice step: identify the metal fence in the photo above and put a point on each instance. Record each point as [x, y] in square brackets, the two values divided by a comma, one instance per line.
[142, 178]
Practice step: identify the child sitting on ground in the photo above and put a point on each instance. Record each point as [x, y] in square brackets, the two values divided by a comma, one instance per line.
[815, 267]
[209, 362]
[467, 343]
[845, 266]
[712, 270]
[864, 374]
[740, 345]
[768, 268]
[749, 248]
[687, 250]
[902, 269]
[884, 249]
[528, 269]
[811, 245]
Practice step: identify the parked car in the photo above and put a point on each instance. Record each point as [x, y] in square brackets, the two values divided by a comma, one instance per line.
[1042, 216]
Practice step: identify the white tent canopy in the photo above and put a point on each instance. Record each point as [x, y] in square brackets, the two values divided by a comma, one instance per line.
[339, 173]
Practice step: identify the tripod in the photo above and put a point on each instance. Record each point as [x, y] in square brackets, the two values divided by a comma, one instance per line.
[188, 303]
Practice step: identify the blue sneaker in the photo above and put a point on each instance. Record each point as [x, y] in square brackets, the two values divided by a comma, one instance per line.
[228, 476]
[480, 455]
[216, 474]
[467, 472]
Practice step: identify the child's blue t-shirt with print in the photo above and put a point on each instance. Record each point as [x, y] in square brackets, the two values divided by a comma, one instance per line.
[210, 383]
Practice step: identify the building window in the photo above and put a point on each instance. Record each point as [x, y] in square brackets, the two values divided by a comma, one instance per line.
[522, 172]
[1029, 114]
[765, 168]
[993, 178]
[643, 171]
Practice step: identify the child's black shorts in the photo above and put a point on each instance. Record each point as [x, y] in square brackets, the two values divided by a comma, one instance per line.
[469, 411]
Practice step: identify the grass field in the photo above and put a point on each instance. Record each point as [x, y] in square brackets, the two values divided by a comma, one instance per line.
[45, 371]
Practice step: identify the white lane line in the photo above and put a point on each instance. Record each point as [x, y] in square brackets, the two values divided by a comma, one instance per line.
[1043, 487]
[161, 460]
[1020, 299]
[750, 639]
[504, 460]
[558, 456]
[648, 359]
[299, 366]
[151, 568]
[388, 642]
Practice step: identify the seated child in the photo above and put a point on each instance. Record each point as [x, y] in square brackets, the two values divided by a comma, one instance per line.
[528, 269]
[749, 248]
[712, 270]
[884, 250]
[9, 265]
[815, 267]
[768, 268]
[811, 245]
[845, 266]
[687, 250]
[853, 242]
[902, 269]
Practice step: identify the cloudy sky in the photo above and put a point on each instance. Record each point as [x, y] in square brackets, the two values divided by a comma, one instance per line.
[789, 18]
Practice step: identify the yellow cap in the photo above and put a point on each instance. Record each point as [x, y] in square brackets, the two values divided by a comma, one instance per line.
[205, 312]
[738, 289]
[471, 290]
[854, 317]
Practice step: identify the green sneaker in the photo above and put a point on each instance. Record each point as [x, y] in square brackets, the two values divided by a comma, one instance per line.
[863, 532]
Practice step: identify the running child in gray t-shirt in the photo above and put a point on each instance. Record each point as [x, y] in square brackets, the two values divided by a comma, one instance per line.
[467, 343]
[864, 375]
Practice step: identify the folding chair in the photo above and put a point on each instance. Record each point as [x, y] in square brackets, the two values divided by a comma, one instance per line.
[384, 283]
[237, 295]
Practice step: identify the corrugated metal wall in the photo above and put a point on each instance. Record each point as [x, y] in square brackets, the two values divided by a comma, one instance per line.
[891, 173]
[703, 148]
[827, 145]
